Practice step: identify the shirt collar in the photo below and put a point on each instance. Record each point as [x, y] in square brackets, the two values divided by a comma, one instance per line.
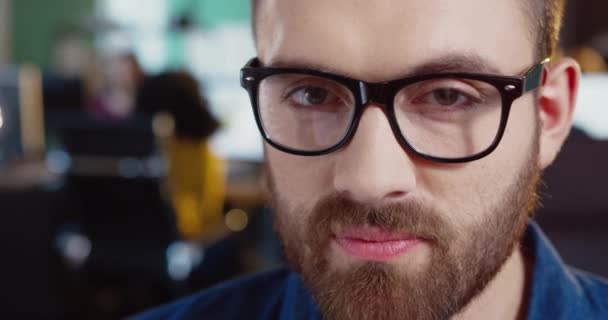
[555, 290]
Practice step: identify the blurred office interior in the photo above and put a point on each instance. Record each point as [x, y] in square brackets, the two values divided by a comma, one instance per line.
[112, 202]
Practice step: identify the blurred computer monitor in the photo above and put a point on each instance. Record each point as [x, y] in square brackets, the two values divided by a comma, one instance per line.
[10, 125]
[81, 135]
[21, 123]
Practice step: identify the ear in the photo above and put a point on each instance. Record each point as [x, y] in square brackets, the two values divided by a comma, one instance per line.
[556, 102]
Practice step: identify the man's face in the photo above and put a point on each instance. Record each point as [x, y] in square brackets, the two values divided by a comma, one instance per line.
[377, 232]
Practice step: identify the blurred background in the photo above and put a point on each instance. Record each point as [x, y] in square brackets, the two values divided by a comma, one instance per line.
[131, 168]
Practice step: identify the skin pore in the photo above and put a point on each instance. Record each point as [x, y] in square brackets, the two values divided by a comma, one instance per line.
[472, 212]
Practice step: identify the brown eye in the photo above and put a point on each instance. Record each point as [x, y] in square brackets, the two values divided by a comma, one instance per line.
[446, 97]
[308, 92]
[311, 96]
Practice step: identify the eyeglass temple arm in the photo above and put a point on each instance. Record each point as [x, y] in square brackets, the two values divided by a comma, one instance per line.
[533, 78]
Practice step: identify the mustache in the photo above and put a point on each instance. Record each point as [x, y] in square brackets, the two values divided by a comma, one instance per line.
[415, 217]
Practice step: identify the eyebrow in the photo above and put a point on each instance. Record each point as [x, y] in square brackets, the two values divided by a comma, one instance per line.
[448, 63]
[455, 63]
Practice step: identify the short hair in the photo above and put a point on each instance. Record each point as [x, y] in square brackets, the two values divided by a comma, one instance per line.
[545, 17]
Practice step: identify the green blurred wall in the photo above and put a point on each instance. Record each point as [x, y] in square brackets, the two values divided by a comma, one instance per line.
[35, 23]
[206, 14]
[210, 13]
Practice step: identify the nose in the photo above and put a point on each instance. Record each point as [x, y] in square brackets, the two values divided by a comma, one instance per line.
[374, 167]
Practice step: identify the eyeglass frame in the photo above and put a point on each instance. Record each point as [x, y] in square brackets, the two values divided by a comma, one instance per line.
[383, 94]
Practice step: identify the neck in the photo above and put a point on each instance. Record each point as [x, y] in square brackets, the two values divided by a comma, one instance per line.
[505, 297]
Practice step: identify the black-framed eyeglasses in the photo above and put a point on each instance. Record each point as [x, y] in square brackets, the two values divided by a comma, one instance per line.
[446, 117]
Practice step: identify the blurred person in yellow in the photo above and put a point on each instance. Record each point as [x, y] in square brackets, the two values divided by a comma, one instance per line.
[196, 178]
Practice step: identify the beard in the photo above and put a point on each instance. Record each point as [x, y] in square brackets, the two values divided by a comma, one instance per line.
[462, 261]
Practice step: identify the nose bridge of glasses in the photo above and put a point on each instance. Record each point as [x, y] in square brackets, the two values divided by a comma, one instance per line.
[378, 95]
[375, 93]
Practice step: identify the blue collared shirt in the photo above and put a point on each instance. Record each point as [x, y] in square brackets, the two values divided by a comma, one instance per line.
[558, 292]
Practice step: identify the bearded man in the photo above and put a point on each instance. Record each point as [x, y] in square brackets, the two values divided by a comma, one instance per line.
[404, 142]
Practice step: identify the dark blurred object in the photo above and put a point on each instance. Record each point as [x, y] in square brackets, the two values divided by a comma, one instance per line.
[178, 94]
[118, 235]
[31, 272]
[85, 136]
[119, 245]
[575, 203]
[585, 21]
[62, 93]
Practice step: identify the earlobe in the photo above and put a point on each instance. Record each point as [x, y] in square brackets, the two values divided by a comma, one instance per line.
[557, 101]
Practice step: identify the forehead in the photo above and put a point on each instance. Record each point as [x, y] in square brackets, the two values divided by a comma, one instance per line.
[383, 39]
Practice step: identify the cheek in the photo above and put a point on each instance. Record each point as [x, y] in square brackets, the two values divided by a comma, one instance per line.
[299, 181]
[520, 138]
[468, 193]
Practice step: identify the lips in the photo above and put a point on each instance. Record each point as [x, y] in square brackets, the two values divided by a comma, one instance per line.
[375, 244]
